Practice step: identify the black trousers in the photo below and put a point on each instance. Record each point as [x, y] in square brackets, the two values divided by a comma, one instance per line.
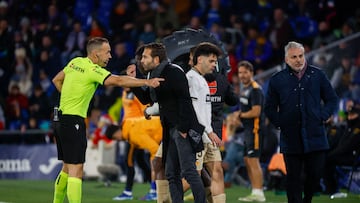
[180, 162]
[311, 166]
[138, 155]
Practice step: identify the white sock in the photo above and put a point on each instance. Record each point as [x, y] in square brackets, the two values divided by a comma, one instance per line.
[256, 191]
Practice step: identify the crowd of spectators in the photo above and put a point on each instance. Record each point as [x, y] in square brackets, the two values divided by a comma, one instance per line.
[37, 38]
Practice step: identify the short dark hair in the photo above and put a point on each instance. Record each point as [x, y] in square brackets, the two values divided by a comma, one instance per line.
[138, 53]
[95, 43]
[157, 49]
[247, 65]
[192, 50]
[205, 49]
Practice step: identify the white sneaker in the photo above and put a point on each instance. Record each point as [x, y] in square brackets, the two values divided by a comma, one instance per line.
[338, 195]
[253, 198]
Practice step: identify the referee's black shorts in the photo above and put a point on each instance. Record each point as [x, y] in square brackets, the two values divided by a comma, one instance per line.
[71, 140]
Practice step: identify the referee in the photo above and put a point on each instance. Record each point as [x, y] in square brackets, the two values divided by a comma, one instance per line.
[77, 83]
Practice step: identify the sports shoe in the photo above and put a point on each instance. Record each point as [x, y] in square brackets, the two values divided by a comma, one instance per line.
[150, 196]
[252, 198]
[123, 197]
[338, 195]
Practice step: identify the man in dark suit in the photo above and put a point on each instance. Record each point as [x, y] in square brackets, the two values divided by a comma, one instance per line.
[299, 101]
[177, 117]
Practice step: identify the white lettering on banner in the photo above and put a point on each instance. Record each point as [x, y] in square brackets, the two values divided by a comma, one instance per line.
[46, 169]
[14, 165]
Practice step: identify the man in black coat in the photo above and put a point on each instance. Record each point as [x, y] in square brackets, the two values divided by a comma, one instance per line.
[177, 116]
[299, 101]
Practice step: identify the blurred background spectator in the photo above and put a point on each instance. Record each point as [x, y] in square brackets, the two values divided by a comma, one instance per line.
[36, 38]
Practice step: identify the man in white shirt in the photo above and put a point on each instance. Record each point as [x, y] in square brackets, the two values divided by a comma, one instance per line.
[205, 60]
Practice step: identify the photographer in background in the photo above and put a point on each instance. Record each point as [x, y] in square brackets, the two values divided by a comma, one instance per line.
[345, 152]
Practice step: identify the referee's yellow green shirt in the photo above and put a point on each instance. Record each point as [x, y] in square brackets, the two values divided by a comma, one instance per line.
[82, 77]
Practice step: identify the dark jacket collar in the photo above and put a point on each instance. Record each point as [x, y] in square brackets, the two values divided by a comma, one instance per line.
[158, 70]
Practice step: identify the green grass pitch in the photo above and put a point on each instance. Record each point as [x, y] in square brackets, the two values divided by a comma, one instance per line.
[30, 191]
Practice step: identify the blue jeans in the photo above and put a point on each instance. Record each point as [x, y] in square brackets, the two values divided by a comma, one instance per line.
[180, 162]
[234, 157]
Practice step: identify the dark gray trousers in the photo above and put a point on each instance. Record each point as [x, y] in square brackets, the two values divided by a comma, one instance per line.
[180, 162]
[311, 164]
